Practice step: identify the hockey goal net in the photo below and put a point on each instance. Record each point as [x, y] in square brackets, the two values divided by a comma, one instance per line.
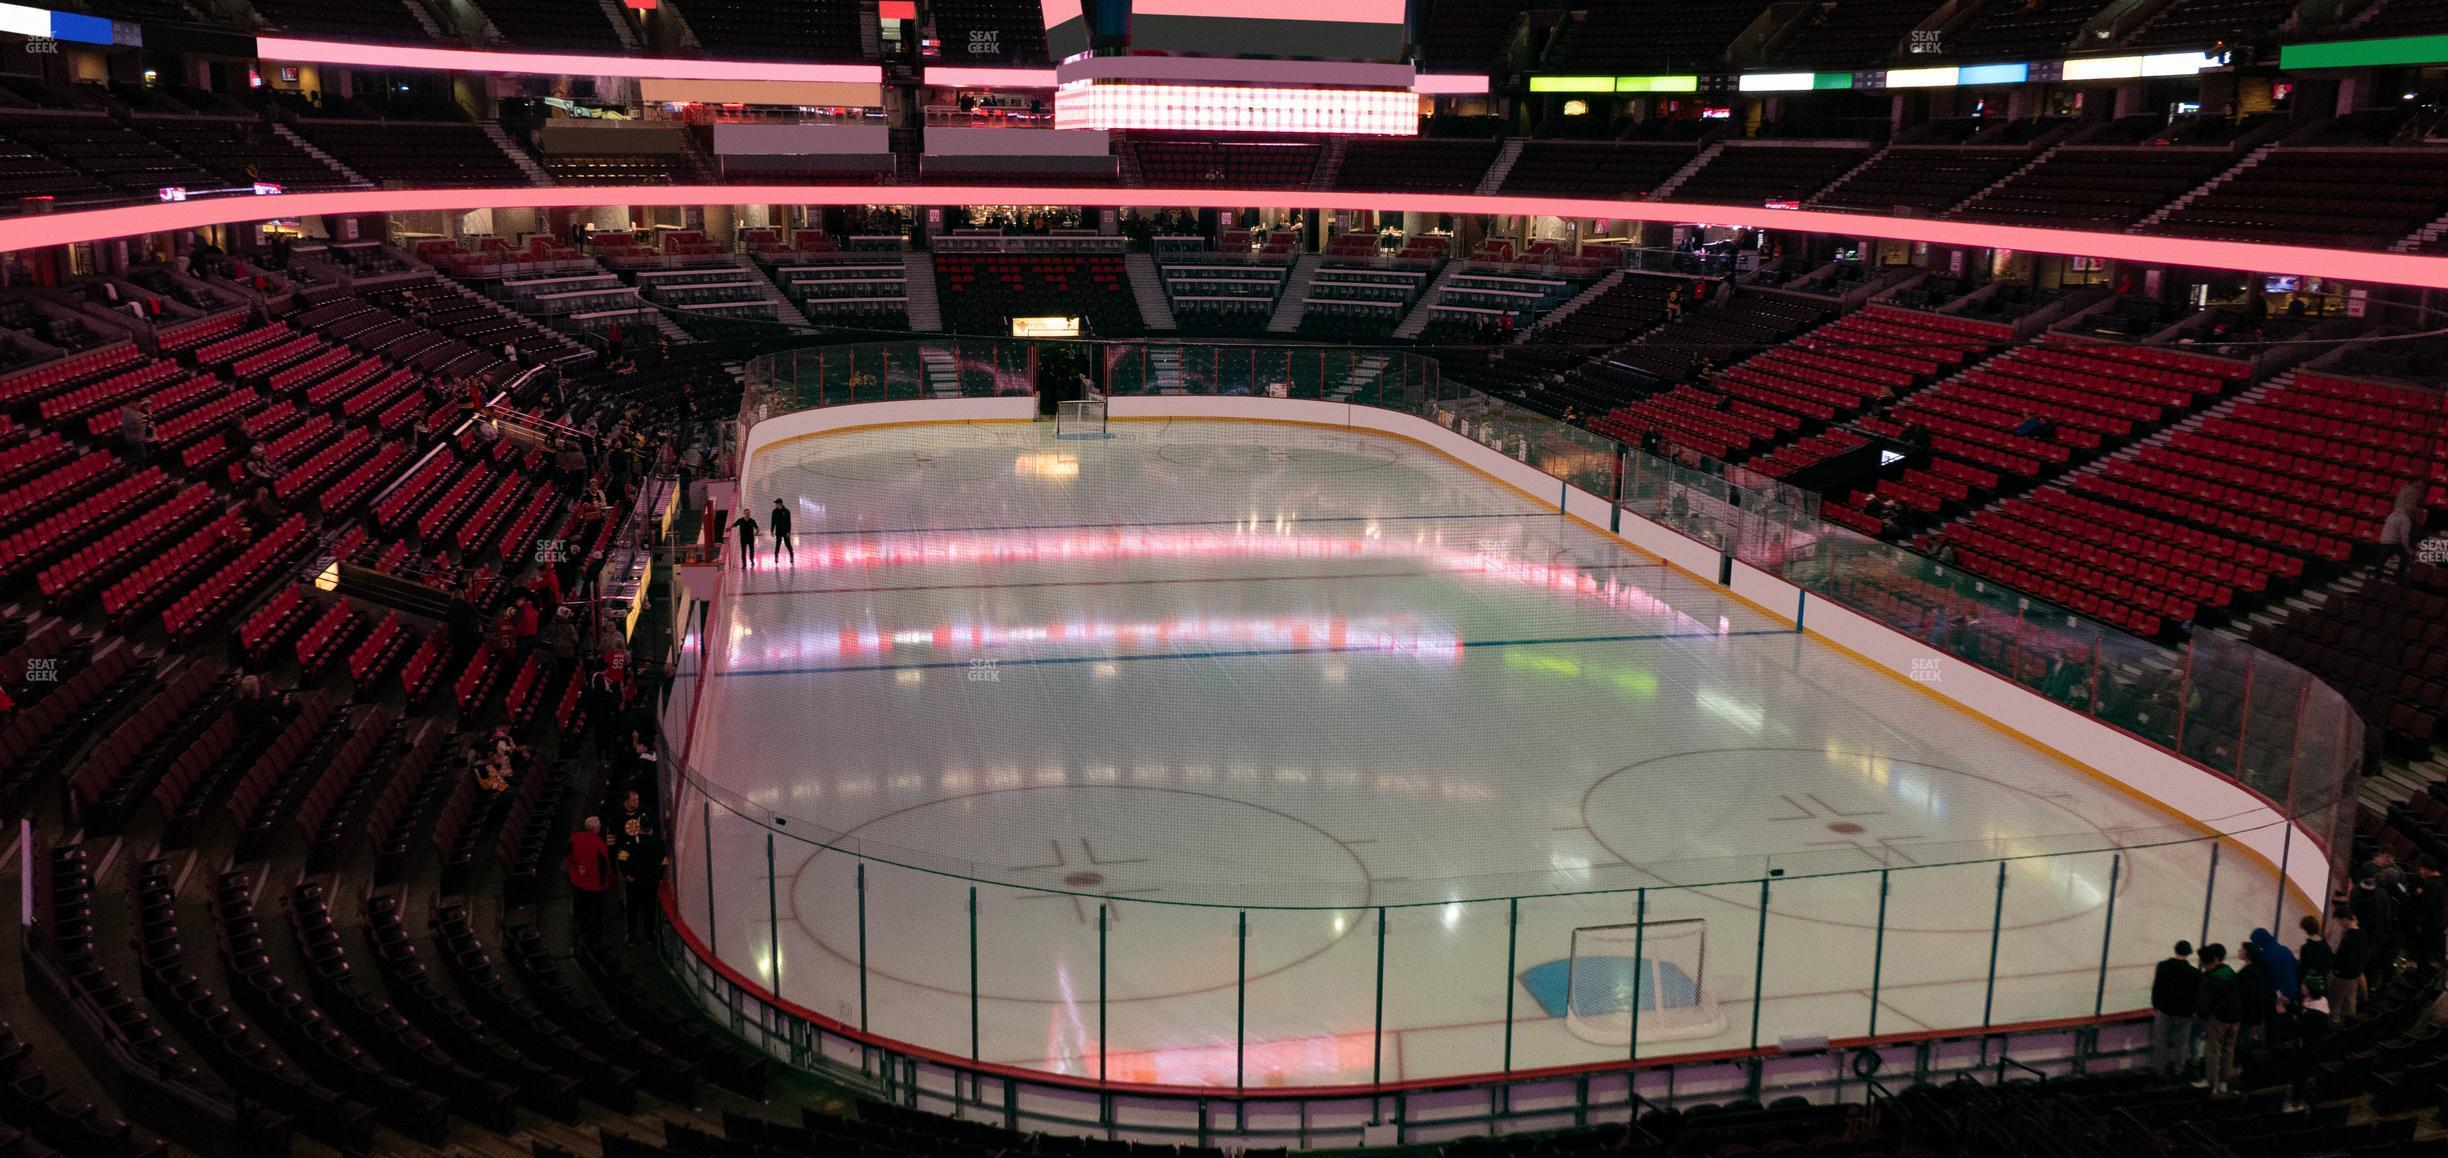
[1653, 976]
[1084, 418]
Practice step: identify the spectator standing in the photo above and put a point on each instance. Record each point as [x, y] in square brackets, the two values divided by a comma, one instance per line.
[2396, 532]
[2279, 968]
[2375, 909]
[526, 627]
[2426, 912]
[136, 429]
[572, 463]
[561, 636]
[779, 519]
[265, 512]
[2175, 991]
[2252, 995]
[2347, 963]
[638, 850]
[746, 525]
[2220, 1005]
[589, 868]
[2315, 961]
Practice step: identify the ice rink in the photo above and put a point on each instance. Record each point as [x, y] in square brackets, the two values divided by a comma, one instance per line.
[1331, 732]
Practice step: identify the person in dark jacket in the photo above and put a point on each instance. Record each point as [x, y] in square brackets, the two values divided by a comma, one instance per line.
[2315, 959]
[2220, 1005]
[638, 851]
[746, 525]
[779, 519]
[2252, 994]
[2426, 912]
[2347, 964]
[2375, 909]
[2175, 989]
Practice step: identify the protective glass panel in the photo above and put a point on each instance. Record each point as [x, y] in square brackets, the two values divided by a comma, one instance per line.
[1444, 990]
[1173, 979]
[1822, 944]
[1935, 963]
[2051, 934]
[818, 946]
[918, 958]
[1312, 992]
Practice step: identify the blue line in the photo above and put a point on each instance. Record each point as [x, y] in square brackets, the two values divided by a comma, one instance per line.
[1260, 653]
[1173, 523]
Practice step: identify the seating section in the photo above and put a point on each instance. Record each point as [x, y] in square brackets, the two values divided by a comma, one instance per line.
[1756, 174]
[1184, 163]
[989, 32]
[1834, 372]
[388, 21]
[111, 154]
[241, 152]
[1415, 165]
[2092, 397]
[1353, 297]
[2012, 29]
[1688, 37]
[981, 293]
[2291, 197]
[2384, 646]
[1922, 181]
[2195, 23]
[569, 25]
[1584, 169]
[419, 152]
[836, 287]
[1538, 370]
[2096, 188]
[1851, 35]
[617, 169]
[171, 1092]
[2404, 18]
[1215, 296]
[1467, 35]
[821, 30]
[2274, 490]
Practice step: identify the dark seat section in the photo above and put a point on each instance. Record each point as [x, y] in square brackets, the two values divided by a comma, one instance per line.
[423, 152]
[825, 30]
[981, 293]
[572, 25]
[1747, 174]
[387, 21]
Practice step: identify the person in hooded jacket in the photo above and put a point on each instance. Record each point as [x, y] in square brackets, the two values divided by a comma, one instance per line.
[2279, 973]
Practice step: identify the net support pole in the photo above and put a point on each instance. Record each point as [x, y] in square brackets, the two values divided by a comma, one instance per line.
[2099, 998]
[973, 988]
[713, 926]
[1640, 965]
[1101, 936]
[1997, 927]
[1878, 953]
[2209, 894]
[862, 938]
[1512, 950]
[2286, 853]
[773, 914]
[1759, 972]
[1377, 1063]
[1241, 1006]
